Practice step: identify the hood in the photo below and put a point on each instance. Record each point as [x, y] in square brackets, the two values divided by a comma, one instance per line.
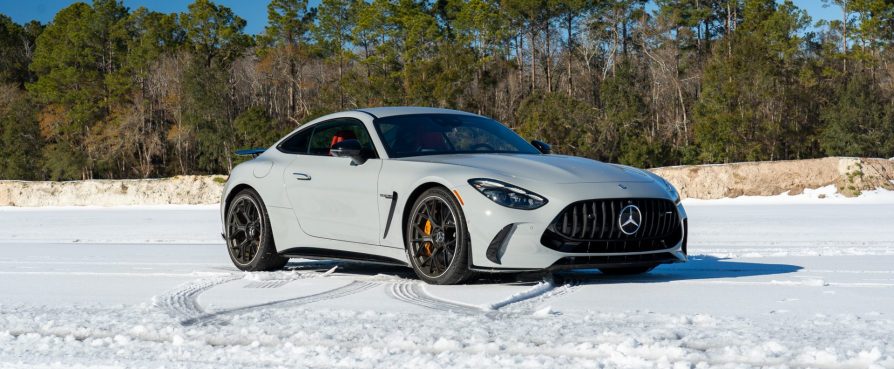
[557, 169]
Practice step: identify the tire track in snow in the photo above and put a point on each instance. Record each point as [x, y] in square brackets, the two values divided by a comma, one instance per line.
[180, 303]
[413, 293]
[346, 290]
[522, 303]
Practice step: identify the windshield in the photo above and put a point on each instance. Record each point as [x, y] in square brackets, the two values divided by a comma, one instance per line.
[433, 134]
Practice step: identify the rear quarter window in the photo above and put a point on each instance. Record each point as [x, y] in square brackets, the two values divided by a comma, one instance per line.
[297, 143]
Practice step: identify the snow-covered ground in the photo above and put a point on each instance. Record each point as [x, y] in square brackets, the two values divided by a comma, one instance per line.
[792, 281]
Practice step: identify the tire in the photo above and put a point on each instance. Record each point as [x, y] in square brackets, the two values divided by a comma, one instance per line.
[627, 270]
[248, 234]
[439, 251]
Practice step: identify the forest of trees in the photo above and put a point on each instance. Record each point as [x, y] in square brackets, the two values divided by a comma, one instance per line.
[103, 91]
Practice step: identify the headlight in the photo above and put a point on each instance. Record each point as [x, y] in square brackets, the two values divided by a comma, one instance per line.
[508, 195]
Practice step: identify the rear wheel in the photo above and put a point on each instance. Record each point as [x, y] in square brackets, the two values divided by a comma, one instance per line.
[437, 240]
[627, 270]
[248, 235]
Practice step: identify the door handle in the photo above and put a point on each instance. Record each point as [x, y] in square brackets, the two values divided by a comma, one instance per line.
[301, 176]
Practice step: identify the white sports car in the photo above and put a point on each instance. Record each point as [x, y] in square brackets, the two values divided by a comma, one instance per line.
[447, 193]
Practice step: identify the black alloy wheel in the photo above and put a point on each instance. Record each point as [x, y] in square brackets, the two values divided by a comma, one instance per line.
[249, 239]
[437, 241]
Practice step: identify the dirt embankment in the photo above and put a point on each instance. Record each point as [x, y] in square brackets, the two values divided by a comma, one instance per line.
[849, 175]
[187, 190]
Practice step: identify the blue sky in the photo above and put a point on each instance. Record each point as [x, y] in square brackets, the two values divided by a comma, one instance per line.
[254, 11]
[21, 11]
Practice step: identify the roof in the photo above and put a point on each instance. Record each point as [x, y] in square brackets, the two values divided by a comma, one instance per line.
[388, 111]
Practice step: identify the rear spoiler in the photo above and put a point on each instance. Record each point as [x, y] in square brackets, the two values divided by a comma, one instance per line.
[250, 152]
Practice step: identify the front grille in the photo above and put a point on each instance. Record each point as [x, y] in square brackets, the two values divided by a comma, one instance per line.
[592, 226]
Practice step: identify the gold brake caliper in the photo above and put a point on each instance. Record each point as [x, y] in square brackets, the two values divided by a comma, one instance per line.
[427, 231]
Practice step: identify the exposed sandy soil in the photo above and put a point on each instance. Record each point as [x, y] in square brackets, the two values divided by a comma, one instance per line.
[849, 175]
[186, 190]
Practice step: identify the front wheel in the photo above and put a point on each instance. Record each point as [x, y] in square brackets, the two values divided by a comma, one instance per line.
[249, 238]
[437, 240]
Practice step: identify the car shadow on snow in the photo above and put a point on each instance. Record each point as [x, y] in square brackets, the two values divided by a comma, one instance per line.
[698, 267]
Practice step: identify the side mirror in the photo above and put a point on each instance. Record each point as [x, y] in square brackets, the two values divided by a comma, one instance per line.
[349, 149]
[543, 147]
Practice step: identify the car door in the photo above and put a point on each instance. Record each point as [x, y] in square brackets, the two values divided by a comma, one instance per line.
[332, 197]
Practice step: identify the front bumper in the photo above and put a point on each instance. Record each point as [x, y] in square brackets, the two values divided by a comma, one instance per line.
[506, 239]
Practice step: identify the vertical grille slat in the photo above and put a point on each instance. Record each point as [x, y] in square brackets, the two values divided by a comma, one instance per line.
[564, 223]
[613, 220]
[595, 220]
[592, 226]
[673, 218]
[665, 221]
[645, 206]
[585, 221]
[661, 222]
[604, 217]
[670, 219]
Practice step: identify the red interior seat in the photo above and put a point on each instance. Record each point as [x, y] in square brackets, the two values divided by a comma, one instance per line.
[340, 136]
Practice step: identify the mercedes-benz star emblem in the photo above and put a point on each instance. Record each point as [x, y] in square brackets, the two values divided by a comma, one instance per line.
[630, 219]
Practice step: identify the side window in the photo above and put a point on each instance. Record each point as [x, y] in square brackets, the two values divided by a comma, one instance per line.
[297, 144]
[330, 133]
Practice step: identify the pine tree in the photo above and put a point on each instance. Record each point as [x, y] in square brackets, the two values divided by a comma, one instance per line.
[289, 24]
[215, 35]
[77, 62]
[19, 135]
[749, 103]
[333, 32]
[860, 122]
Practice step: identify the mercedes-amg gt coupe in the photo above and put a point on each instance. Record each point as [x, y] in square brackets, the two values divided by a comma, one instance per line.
[448, 193]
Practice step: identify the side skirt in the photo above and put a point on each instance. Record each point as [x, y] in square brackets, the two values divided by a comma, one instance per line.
[327, 254]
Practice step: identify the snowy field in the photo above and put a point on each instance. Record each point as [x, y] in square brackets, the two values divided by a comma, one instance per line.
[787, 282]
